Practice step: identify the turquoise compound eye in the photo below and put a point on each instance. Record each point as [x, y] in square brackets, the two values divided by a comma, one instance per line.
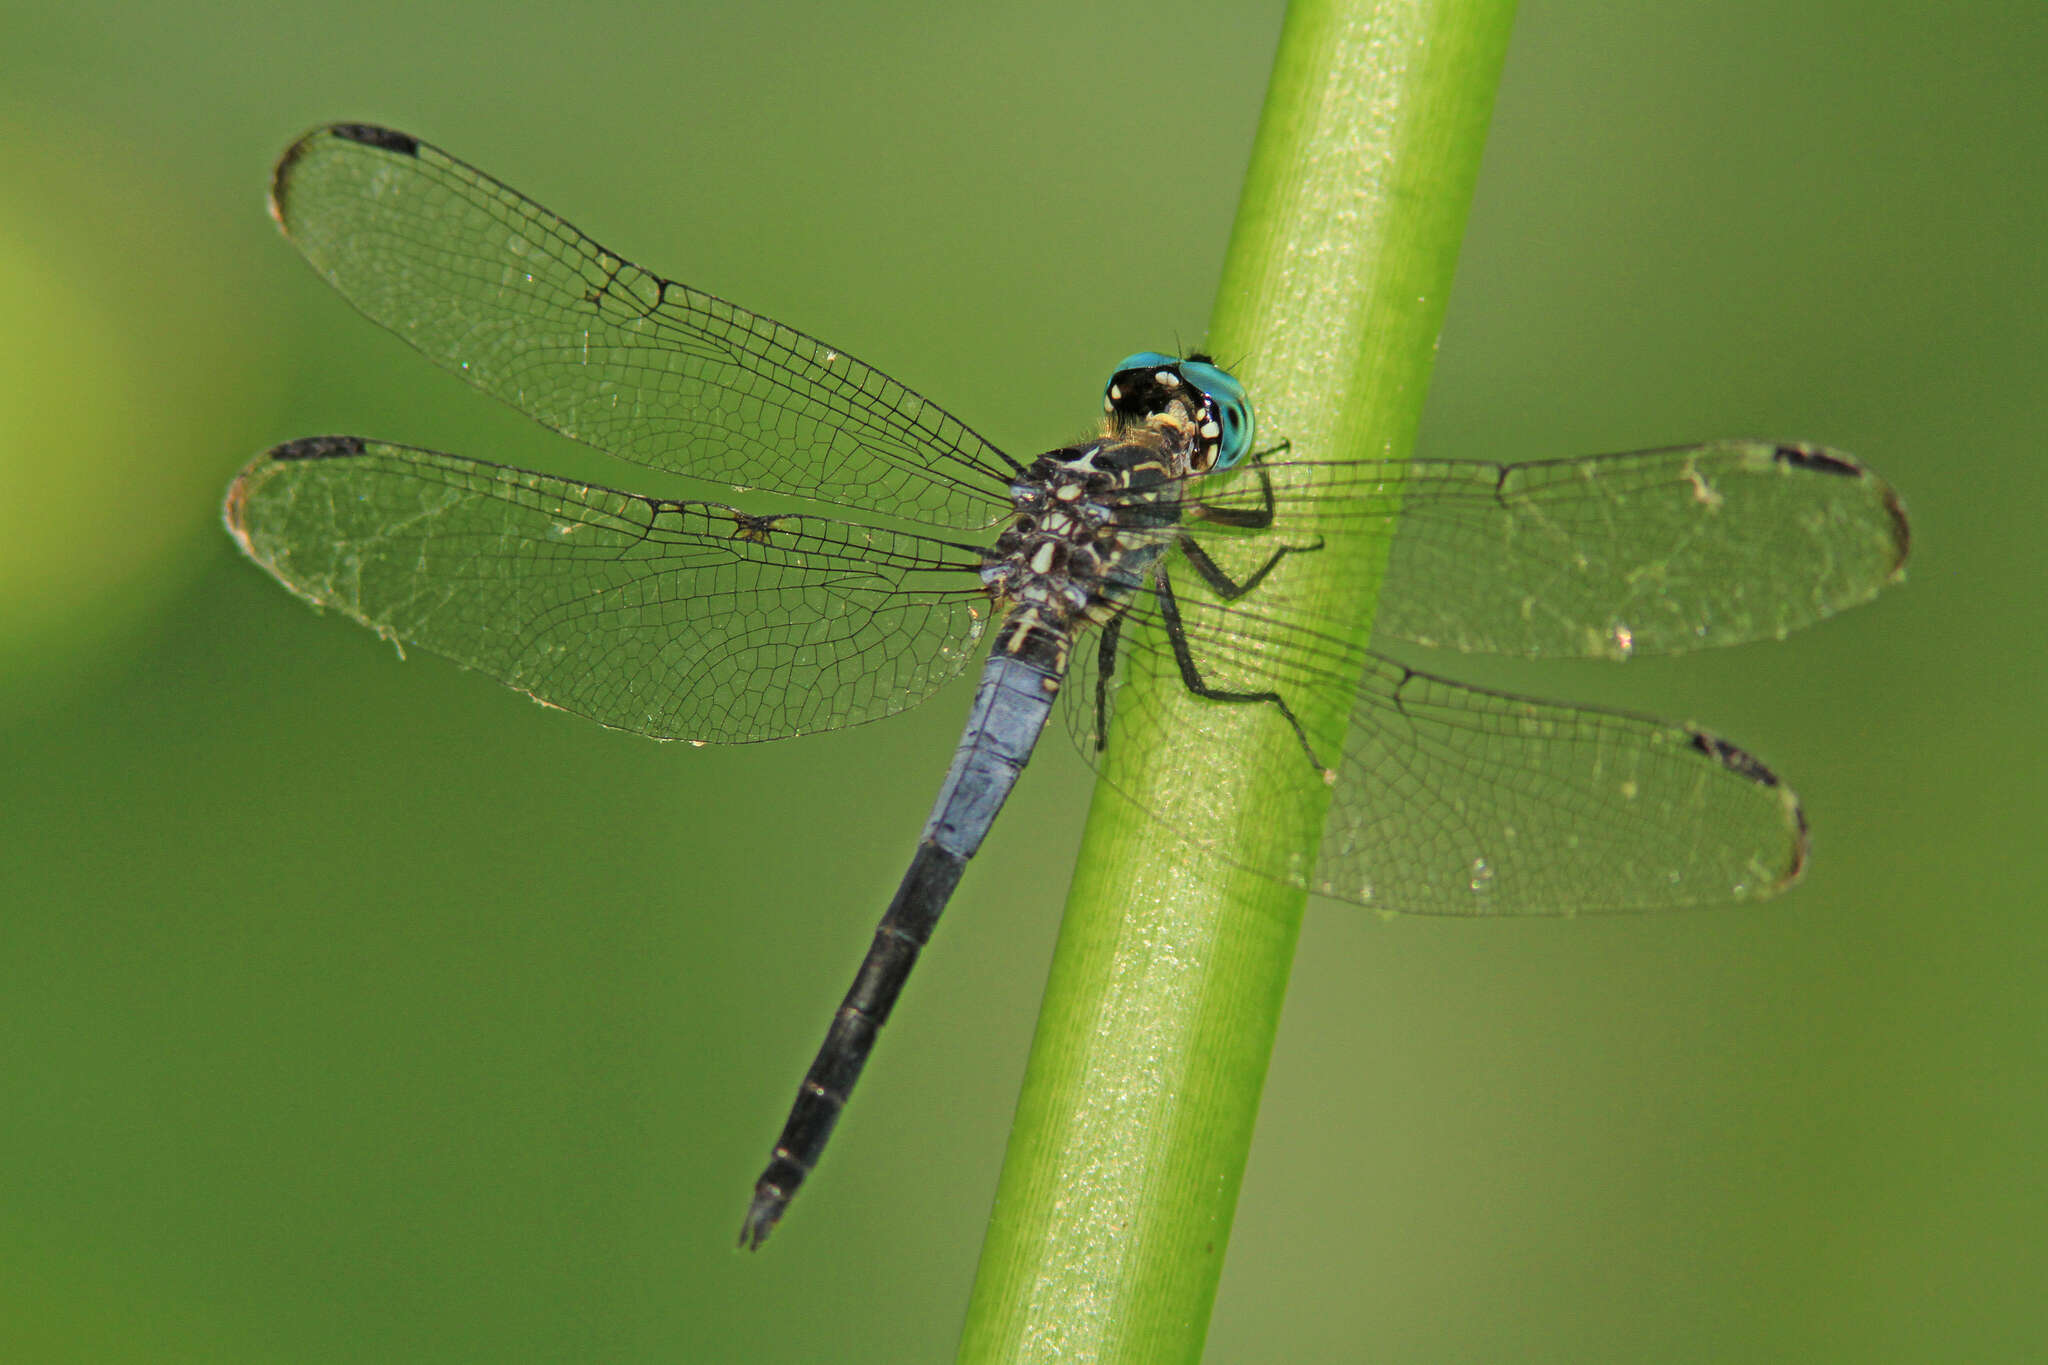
[1146, 360]
[1233, 409]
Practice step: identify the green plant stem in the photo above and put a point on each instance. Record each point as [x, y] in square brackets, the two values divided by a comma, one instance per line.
[1121, 1179]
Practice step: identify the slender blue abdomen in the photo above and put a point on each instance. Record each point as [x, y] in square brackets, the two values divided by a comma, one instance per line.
[1009, 714]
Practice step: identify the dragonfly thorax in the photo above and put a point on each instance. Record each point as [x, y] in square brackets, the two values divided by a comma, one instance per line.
[1089, 523]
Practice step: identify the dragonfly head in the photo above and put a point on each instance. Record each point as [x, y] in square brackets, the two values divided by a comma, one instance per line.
[1148, 385]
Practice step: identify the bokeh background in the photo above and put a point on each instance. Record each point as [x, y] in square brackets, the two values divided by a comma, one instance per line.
[353, 1009]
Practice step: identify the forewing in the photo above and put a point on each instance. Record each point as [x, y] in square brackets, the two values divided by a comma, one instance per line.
[1646, 552]
[679, 620]
[491, 285]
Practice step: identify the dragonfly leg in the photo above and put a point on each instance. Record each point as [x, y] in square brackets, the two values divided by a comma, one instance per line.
[1105, 670]
[1220, 582]
[1191, 676]
[1246, 518]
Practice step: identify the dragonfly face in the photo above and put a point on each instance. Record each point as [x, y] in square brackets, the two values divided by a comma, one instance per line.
[1149, 383]
[697, 620]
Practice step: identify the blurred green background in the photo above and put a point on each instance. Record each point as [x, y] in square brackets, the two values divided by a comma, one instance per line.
[356, 1010]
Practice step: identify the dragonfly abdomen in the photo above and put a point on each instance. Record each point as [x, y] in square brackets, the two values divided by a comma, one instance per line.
[1010, 710]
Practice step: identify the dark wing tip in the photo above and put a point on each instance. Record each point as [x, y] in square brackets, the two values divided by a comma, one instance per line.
[1902, 531]
[280, 178]
[1734, 758]
[1745, 764]
[1802, 844]
[317, 448]
[1820, 460]
[369, 134]
[374, 135]
[234, 510]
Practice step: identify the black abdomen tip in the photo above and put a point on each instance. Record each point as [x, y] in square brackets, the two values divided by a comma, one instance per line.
[766, 1210]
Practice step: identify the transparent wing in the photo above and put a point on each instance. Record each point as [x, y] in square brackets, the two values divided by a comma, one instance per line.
[1647, 552]
[1452, 800]
[528, 309]
[680, 620]
[1458, 801]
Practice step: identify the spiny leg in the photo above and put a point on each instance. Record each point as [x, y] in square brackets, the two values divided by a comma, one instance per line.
[1105, 670]
[1191, 676]
[1245, 518]
[1221, 582]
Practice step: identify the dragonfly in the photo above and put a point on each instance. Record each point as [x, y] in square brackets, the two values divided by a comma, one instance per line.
[881, 538]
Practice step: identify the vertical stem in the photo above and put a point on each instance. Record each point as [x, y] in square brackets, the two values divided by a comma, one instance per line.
[1121, 1180]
